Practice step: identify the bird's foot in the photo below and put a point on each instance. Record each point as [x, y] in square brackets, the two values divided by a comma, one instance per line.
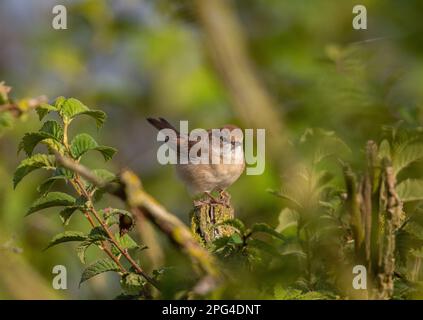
[224, 198]
[201, 202]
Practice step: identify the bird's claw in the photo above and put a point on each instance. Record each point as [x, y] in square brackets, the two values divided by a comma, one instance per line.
[224, 199]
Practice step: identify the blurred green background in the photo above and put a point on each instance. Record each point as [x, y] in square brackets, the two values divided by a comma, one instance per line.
[140, 58]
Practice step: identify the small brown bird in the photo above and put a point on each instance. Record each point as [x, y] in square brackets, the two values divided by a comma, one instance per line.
[211, 176]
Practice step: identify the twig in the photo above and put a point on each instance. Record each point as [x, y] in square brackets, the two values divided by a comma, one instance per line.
[31, 103]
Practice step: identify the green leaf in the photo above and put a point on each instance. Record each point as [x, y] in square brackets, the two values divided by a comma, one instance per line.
[235, 223]
[407, 155]
[125, 242]
[52, 199]
[70, 108]
[112, 215]
[104, 175]
[285, 194]
[98, 234]
[97, 268]
[236, 238]
[30, 164]
[410, 190]
[84, 142]
[107, 152]
[132, 283]
[53, 129]
[81, 144]
[45, 187]
[30, 141]
[384, 150]
[262, 227]
[44, 109]
[67, 213]
[288, 218]
[82, 249]
[66, 236]
[50, 130]
[97, 115]
[59, 102]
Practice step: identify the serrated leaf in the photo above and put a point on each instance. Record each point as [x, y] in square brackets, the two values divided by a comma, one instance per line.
[107, 152]
[59, 102]
[125, 242]
[53, 129]
[406, 156]
[44, 109]
[66, 236]
[97, 115]
[262, 227]
[84, 142]
[45, 187]
[67, 213]
[50, 130]
[132, 283]
[70, 108]
[64, 172]
[221, 242]
[116, 212]
[55, 145]
[52, 199]
[30, 140]
[30, 164]
[105, 177]
[235, 223]
[98, 267]
[82, 249]
[410, 190]
[98, 234]
[284, 194]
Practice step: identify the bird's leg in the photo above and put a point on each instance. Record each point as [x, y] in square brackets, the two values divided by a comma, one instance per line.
[226, 197]
[213, 199]
[201, 202]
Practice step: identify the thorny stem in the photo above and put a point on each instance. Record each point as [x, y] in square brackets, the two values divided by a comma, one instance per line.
[124, 252]
[103, 245]
[81, 190]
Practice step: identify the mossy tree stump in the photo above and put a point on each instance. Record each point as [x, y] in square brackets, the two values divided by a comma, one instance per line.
[207, 219]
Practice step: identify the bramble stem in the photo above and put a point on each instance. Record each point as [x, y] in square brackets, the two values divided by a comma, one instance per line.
[81, 190]
[124, 252]
[102, 246]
